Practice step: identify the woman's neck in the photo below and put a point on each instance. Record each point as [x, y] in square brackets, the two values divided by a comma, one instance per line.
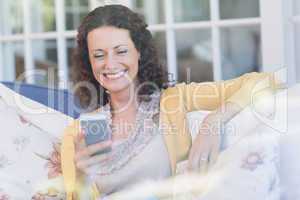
[124, 100]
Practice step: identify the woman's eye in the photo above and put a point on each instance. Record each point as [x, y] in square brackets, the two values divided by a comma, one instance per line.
[120, 52]
[98, 56]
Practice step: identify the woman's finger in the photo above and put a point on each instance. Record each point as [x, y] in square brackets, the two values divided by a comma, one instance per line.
[92, 149]
[79, 140]
[202, 156]
[203, 162]
[192, 162]
[215, 150]
[80, 147]
[97, 159]
[200, 152]
[85, 164]
[197, 150]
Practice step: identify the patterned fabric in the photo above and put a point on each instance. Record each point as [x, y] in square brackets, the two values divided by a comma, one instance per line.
[30, 148]
[248, 166]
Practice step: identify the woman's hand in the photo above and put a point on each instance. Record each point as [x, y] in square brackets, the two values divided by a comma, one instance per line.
[206, 145]
[85, 159]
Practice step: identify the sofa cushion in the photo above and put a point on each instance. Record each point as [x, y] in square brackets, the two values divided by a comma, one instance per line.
[57, 99]
[29, 147]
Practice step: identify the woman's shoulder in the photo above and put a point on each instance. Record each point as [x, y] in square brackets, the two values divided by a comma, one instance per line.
[183, 88]
[174, 88]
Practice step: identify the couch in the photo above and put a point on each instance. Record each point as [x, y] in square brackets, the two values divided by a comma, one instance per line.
[289, 169]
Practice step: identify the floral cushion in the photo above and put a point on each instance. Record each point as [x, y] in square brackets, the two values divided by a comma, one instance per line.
[248, 166]
[30, 145]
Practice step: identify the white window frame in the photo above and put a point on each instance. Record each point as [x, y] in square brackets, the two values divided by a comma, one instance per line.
[1, 62]
[272, 34]
[290, 20]
[271, 22]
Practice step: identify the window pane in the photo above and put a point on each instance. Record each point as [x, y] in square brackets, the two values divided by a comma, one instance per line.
[296, 7]
[241, 50]
[153, 11]
[71, 44]
[297, 46]
[192, 10]
[42, 16]
[13, 60]
[45, 62]
[160, 43]
[77, 2]
[11, 17]
[239, 9]
[194, 55]
[76, 10]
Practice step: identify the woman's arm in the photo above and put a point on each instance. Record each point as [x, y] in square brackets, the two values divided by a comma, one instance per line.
[208, 142]
[239, 91]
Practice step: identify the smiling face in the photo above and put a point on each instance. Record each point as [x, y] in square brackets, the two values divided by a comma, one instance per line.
[113, 57]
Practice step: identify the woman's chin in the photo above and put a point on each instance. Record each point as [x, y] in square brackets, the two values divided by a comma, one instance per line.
[118, 85]
[117, 88]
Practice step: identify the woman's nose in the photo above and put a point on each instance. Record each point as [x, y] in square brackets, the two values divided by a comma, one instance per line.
[110, 61]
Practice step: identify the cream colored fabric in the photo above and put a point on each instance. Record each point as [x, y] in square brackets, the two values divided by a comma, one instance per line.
[29, 150]
[150, 164]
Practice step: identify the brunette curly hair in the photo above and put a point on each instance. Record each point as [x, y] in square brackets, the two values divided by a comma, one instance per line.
[150, 69]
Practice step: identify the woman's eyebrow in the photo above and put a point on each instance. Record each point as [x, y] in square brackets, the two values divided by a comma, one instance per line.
[120, 45]
[96, 50]
[115, 47]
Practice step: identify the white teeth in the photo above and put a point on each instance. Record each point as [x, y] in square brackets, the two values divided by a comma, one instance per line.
[115, 75]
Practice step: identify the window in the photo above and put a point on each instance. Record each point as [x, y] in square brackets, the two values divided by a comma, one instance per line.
[198, 40]
[207, 39]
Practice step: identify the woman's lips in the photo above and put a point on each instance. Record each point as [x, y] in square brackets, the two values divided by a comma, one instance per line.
[115, 75]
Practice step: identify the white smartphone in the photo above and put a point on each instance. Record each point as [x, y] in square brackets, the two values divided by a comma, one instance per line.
[96, 129]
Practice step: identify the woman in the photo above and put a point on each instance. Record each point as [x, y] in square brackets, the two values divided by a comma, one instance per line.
[116, 56]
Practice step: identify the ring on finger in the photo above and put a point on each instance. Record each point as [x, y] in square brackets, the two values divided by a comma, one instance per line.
[204, 158]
